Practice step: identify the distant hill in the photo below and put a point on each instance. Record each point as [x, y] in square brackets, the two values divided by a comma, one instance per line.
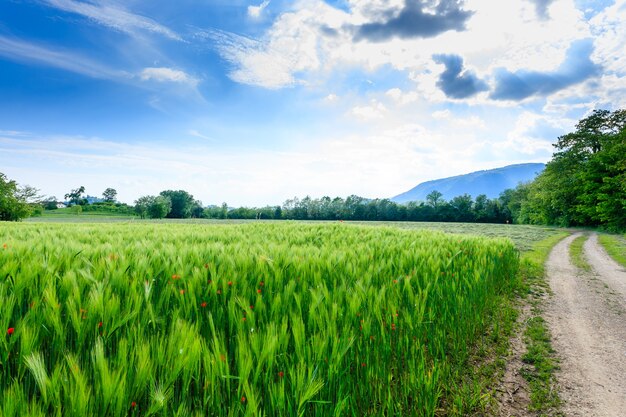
[490, 182]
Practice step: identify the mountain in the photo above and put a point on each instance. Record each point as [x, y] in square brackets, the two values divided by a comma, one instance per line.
[490, 182]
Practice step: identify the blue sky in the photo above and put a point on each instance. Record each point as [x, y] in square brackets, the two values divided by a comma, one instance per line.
[255, 102]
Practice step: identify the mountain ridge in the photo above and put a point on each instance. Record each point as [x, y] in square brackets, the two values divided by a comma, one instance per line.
[490, 182]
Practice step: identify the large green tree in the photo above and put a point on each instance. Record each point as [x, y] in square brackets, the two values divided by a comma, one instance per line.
[13, 201]
[585, 182]
[154, 207]
[183, 203]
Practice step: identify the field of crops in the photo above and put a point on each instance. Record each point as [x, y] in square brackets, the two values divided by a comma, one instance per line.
[240, 320]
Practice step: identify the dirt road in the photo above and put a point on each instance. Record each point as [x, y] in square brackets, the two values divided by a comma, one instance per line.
[587, 319]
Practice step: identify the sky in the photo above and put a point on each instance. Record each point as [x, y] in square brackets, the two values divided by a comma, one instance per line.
[255, 102]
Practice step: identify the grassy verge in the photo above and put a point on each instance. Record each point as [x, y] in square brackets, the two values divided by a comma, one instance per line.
[615, 246]
[473, 395]
[576, 253]
[540, 355]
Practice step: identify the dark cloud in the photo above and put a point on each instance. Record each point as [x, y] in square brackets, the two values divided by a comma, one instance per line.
[417, 19]
[541, 8]
[455, 82]
[518, 85]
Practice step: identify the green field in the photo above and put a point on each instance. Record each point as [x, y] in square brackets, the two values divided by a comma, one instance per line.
[249, 319]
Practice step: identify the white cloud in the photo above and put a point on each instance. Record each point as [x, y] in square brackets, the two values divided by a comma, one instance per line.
[331, 98]
[446, 115]
[113, 17]
[401, 97]
[527, 138]
[375, 110]
[307, 44]
[195, 133]
[23, 51]
[256, 11]
[163, 74]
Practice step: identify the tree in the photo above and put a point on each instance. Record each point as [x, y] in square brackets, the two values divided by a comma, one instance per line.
[154, 207]
[462, 206]
[142, 204]
[76, 196]
[110, 195]
[160, 207]
[29, 194]
[434, 198]
[585, 182]
[182, 203]
[13, 205]
[50, 203]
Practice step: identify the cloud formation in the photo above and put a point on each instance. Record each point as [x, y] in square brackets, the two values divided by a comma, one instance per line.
[541, 8]
[454, 81]
[576, 68]
[256, 11]
[163, 74]
[113, 17]
[417, 19]
[23, 51]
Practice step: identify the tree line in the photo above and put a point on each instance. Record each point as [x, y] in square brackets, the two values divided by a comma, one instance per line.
[583, 185]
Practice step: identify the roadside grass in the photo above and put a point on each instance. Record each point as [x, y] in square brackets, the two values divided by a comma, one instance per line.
[615, 246]
[540, 356]
[576, 253]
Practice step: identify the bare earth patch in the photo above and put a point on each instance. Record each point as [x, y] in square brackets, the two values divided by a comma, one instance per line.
[513, 392]
[587, 320]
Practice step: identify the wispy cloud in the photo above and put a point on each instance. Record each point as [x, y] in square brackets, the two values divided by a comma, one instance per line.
[254, 62]
[164, 74]
[195, 133]
[113, 17]
[23, 51]
[256, 11]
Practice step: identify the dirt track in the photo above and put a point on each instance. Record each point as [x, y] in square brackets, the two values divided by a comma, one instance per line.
[587, 319]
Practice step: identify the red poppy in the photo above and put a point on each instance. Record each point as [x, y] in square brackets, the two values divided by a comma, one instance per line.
[243, 399]
[203, 304]
[175, 277]
[362, 364]
[230, 283]
[261, 284]
[251, 307]
[5, 246]
[219, 291]
[182, 291]
[206, 266]
[281, 374]
[395, 281]
[258, 291]
[243, 319]
[133, 404]
[10, 331]
[100, 325]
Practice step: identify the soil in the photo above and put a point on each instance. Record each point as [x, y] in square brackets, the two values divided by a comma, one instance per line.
[587, 319]
[513, 395]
